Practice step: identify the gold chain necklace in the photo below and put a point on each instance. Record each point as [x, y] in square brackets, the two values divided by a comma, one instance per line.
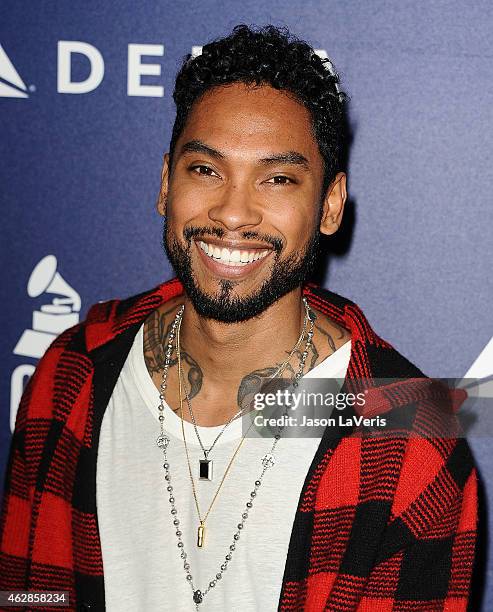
[280, 369]
[205, 470]
[268, 460]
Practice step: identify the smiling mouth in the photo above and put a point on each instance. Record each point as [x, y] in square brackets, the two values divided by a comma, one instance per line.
[232, 257]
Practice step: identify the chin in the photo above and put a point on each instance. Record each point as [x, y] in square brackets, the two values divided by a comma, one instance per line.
[227, 306]
[221, 301]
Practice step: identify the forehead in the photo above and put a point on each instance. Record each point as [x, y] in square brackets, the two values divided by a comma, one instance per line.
[255, 119]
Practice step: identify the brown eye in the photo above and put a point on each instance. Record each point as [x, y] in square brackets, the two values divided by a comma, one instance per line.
[280, 180]
[204, 170]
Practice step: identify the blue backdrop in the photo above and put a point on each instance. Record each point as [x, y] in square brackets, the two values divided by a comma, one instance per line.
[86, 112]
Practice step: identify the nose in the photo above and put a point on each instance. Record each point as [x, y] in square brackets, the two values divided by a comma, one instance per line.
[236, 207]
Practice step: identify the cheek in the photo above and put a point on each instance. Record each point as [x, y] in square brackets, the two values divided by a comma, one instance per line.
[187, 205]
[294, 225]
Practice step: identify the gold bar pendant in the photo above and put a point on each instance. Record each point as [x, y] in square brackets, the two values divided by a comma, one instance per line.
[201, 535]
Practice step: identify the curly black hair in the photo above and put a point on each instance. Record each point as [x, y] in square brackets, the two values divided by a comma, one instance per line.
[269, 56]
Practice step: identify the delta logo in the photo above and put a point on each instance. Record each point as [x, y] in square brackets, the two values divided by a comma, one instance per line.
[139, 65]
[139, 68]
[11, 83]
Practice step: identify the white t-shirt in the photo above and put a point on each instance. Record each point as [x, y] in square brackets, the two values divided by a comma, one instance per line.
[143, 570]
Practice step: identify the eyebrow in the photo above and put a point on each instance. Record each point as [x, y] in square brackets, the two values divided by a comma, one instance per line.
[197, 146]
[289, 157]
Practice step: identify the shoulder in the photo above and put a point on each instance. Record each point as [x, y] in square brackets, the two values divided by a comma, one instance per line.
[374, 356]
[68, 365]
[100, 319]
[419, 462]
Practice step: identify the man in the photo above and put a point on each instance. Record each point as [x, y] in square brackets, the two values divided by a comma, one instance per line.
[207, 517]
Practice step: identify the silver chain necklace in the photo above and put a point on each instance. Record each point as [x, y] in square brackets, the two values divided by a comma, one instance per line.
[267, 461]
[206, 464]
[205, 471]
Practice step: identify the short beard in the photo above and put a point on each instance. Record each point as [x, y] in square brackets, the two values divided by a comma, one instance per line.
[286, 276]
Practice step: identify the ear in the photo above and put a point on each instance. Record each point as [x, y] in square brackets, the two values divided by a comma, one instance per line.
[333, 205]
[163, 191]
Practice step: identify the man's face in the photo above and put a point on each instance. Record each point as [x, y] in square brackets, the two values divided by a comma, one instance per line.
[244, 201]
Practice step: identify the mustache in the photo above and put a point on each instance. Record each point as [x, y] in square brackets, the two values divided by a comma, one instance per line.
[189, 233]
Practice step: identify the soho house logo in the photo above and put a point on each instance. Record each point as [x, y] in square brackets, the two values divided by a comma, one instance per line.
[138, 66]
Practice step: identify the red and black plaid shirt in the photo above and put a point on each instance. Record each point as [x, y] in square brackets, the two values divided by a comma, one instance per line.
[383, 522]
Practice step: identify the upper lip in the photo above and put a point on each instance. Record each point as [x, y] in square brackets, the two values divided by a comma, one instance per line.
[235, 245]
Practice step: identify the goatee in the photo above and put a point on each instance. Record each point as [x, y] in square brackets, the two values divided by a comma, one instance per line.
[225, 306]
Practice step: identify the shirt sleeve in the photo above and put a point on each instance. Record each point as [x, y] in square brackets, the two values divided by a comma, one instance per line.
[16, 505]
[427, 557]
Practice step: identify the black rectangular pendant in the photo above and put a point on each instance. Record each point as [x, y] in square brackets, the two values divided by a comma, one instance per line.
[205, 469]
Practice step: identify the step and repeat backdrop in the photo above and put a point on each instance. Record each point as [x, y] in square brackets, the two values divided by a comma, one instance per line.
[86, 113]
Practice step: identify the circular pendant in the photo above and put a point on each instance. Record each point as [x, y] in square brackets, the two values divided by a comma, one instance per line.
[197, 596]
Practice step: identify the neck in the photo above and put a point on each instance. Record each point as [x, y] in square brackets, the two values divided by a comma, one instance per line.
[229, 351]
[224, 364]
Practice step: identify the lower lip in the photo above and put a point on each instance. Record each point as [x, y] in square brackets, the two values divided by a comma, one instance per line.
[236, 272]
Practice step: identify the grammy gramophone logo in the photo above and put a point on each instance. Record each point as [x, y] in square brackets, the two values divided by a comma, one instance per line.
[51, 319]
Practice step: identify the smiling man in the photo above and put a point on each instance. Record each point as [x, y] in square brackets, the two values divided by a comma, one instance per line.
[133, 484]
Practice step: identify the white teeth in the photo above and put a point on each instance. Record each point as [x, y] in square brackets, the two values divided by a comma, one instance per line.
[232, 258]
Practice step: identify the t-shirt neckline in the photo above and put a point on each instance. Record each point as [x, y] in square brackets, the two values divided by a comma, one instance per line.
[334, 365]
